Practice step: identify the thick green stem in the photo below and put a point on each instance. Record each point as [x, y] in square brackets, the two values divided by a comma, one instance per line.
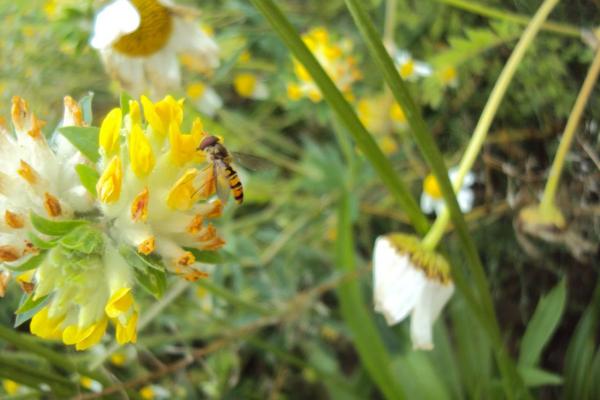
[487, 11]
[344, 112]
[489, 112]
[548, 199]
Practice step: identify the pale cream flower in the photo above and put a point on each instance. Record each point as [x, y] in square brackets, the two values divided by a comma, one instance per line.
[140, 41]
[410, 280]
[433, 201]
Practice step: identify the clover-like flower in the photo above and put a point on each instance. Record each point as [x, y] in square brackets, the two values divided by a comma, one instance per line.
[336, 59]
[409, 279]
[382, 116]
[82, 228]
[140, 41]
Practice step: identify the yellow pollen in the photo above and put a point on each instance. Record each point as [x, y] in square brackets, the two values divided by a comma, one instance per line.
[407, 69]
[109, 184]
[186, 259]
[431, 187]
[153, 33]
[110, 131]
[147, 246]
[245, 84]
[36, 127]
[74, 110]
[52, 205]
[27, 172]
[13, 220]
[196, 224]
[19, 112]
[195, 90]
[8, 253]
[139, 206]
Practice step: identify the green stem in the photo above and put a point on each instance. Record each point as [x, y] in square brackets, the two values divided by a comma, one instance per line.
[485, 120]
[486, 11]
[344, 112]
[548, 199]
[365, 336]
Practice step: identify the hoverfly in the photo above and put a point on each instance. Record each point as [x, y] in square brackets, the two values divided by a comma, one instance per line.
[225, 177]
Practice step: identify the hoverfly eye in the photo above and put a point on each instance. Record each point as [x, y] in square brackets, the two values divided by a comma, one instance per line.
[208, 141]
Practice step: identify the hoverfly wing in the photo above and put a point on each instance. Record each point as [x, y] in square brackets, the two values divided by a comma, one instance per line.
[208, 186]
[222, 180]
[251, 162]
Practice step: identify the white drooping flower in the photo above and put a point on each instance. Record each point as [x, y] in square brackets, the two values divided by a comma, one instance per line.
[410, 280]
[433, 201]
[140, 41]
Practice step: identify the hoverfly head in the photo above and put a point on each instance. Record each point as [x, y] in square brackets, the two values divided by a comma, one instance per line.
[207, 142]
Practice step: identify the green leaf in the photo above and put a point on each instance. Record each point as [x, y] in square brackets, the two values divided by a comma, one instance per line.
[542, 325]
[534, 377]
[32, 263]
[88, 177]
[86, 106]
[84, 239]
[28, 308]
[54, 228]
[124, 101]
[153, 280]
[85, 139]
[366, 337]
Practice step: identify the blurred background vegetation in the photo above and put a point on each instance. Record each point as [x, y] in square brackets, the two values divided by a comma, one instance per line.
[267, 323]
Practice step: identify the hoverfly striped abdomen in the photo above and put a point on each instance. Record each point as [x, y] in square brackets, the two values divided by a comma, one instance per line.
[235, 184]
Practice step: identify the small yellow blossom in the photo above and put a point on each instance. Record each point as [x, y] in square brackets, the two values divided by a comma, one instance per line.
[110, 132]
[109, 184]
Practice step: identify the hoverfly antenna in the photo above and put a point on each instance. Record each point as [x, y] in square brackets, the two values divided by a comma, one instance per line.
[207, 142]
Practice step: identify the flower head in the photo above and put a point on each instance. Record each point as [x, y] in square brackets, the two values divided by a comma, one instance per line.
[139, 41]
[247, 83]
[432, 200]
[335, 58]
[152, 208]
[409, 279]
[382, 116]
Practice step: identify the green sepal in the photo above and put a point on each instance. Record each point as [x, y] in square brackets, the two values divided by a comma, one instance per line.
[124, 100]
[209, 257]
[149, 271]
[32, 263]
[88, 177]
[84, 138]
[54, 228]
[84, 239]
[29, 307]
[40, 243]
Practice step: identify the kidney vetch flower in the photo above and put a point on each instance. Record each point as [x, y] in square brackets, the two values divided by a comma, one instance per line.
[79, 240]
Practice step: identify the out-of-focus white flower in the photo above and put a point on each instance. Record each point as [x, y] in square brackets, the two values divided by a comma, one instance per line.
[410, 280]
[409, 68]
[433, 201]
[205, 98]
[140, 40]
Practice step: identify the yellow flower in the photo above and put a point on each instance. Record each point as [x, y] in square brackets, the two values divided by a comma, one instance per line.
[10, 387]
[141, 156]
[336, 59]
[109, 184]
[110, 132]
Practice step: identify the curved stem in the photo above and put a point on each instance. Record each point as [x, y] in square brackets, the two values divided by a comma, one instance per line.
[547, 203]
[489, 112]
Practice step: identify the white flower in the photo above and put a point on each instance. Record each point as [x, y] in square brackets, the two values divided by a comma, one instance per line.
[140, 41]
[409, 68]
[401, 287]
[34, 178]
[432, 200]
[205, 98]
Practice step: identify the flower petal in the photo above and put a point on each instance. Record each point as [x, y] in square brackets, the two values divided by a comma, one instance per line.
[433, 298]
[113, 21]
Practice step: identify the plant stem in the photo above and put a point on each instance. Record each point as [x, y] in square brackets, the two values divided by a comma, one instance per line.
[548, 199]
[344, 112]
[487, 11]
[485, 120]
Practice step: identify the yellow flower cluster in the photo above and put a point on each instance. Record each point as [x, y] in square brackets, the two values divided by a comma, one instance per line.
[336, 59]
